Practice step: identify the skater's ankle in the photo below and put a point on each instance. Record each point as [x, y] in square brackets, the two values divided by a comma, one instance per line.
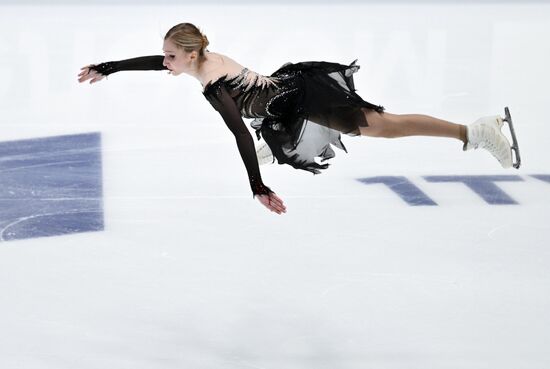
[463, 134]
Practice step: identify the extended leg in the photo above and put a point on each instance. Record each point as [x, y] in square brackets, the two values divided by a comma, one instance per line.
[484, 133]
[394, 125]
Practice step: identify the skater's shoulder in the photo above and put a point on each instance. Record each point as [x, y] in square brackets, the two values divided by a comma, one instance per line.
[219, 66]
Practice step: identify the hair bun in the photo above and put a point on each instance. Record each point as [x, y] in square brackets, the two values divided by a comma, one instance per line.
[205, 41]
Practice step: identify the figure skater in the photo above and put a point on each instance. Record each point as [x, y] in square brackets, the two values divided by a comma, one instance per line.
[300, 110]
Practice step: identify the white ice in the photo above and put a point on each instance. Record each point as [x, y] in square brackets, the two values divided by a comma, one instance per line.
[191, 272]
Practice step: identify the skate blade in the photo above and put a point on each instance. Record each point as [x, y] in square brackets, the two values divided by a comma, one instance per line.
[515, 147]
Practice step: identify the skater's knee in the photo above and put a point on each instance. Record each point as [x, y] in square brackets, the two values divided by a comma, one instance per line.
[379, 124]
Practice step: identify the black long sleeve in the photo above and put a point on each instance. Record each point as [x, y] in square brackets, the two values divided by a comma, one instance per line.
[153, 62]
[222, 101]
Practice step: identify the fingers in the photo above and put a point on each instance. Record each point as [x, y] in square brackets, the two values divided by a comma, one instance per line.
[96, 79]
[82, 76]
[86, 73]
[274, 203]
[85, 70]
[277, 204]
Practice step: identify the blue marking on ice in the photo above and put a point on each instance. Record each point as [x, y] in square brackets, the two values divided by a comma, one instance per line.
[50, 186]
[542, 177]
[484, 186]
[403, 187]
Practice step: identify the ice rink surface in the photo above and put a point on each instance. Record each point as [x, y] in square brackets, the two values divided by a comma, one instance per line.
[156, 255]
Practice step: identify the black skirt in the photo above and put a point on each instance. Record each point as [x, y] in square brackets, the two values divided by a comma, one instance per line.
[320, 103]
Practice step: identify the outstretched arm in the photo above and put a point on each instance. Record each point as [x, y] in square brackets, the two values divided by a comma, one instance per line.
[225, 105]
[96, 72]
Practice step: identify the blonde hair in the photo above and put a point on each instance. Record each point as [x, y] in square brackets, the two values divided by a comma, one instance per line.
[188, 37]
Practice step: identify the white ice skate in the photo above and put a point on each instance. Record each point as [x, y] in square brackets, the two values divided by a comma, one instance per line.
[486, 133]
[264, 154]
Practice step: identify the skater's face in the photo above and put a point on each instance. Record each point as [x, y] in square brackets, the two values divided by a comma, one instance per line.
[177, 60]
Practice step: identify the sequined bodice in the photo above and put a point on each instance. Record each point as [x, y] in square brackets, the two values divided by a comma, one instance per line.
[255, 95]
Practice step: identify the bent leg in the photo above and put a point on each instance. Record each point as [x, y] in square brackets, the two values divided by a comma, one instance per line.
[400, 125]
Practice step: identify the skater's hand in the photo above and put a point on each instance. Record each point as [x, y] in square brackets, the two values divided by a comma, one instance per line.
[87, 73]
[272, 202]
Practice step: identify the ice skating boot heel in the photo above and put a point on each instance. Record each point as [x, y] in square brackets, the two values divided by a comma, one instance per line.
[264, 154]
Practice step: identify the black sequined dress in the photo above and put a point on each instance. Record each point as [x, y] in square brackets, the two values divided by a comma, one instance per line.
[300, 110]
